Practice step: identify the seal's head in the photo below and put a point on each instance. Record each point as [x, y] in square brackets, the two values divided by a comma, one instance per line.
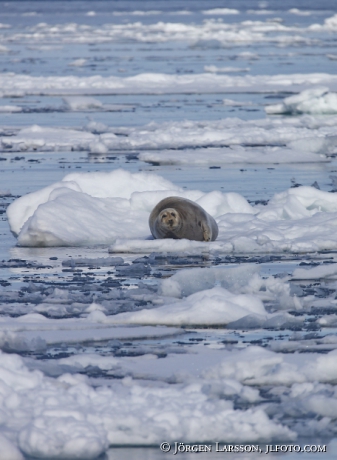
[169, 219]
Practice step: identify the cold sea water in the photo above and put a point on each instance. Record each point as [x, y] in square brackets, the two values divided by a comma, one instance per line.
[113, 343]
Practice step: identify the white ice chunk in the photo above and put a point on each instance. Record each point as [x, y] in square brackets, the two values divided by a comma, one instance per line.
[78, 62]
[258, 366]
[189, 281]
[228, 140]
[318, 100]
[215, 69]
[81, 103]
[238, 280]
[37, 137]
[95, 127]
[325, 145]
[248, 55]
[137, 246]
[116, 184]
[10, 108]
[206, 303]
[321, 272]
[299, 12]
[236, 139]
[98, 148]
[215, 306]
[66, 418]
[160, 83]
[219, 156]
[12, 341]
[331, 23]
[34, 331]
[220, 11]
[25, 206]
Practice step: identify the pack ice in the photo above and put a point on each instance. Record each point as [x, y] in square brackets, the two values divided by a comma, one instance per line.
[113, 208]
[159, 83]
[229, 140]
[66, 417]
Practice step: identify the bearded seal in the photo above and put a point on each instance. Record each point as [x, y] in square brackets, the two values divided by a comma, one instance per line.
[177, 218]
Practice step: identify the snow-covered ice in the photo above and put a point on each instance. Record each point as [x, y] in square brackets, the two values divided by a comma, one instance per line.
[237, 154]
[64, 417]
[98, 208]
[318, 100]
[82, 103]
[102, 208]
[36, 137]
[229, 140]
[213, 306]
[160, 83]
[234, 32]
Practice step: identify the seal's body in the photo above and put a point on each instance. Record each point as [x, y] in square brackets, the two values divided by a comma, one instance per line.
[177, 218]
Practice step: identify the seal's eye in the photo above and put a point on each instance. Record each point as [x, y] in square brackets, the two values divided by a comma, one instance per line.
[172, 214]
[163, 216]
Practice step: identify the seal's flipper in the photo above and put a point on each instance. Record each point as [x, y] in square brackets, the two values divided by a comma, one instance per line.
[206, 232]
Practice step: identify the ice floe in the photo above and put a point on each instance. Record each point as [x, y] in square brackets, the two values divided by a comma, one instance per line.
[213, 306]
[118, 184]
[33, 331]
[85, 103]
[161, 83]
[238, 280]
[106, 208]
[258, 366]
[234, 154]
[236, 33]
[107, 205]
[328, 271]
[300, 12]
[219, 296]
[67, 413]
[229, 140]
[228, 132]
[78, 62]
[315, 101]
[67, 418]
[10, 108]
[220, 11]
[82, 103]
[215, 69]
[55, 139]
[290, 227]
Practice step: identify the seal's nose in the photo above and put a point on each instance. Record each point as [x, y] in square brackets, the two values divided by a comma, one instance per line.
[170, 221]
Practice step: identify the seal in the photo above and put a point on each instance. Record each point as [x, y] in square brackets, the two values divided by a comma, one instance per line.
[177, 218]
